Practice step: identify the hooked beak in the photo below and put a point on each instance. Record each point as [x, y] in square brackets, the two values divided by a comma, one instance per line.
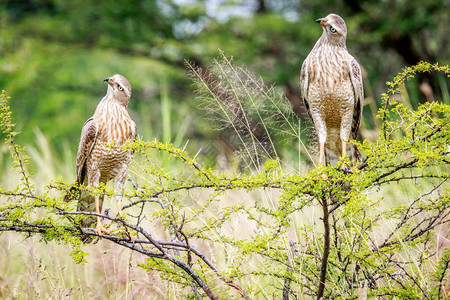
[321, 21]
[108, 80]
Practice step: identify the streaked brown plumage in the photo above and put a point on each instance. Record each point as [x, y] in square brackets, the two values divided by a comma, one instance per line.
[100, 157]
[332, 90]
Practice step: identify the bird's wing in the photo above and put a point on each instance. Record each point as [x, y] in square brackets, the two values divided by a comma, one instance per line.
[87, 142]
[356, 77]
[304, 82]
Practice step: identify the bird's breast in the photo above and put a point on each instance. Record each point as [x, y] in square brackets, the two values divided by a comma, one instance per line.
[114, 125]
[115, 128]
[330, 91]
[110, 159]
[328, 68]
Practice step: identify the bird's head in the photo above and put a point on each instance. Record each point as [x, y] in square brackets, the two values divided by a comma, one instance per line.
[119, 88]
[334, 29]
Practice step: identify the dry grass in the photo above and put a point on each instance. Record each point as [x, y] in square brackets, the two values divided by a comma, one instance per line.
[34, 270]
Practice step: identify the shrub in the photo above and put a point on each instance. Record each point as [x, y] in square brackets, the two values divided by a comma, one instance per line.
[273, 232]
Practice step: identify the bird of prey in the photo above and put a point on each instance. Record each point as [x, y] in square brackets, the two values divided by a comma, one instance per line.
[100, 156]
[332, 90]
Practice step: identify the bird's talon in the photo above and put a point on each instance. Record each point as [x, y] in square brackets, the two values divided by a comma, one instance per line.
[99, 229]
[131, 237]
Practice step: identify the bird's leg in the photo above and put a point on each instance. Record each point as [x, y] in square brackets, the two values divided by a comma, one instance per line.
[322, 159]
[322, 135]
[322, 154]
[94, 181]
[344, 147]
[322, 140]
[99, 227]
[346, 125]
[119, 182]
[119, 204]
[123, 230]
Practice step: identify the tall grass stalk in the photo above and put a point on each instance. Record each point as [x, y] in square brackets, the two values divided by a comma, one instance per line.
[257, 118]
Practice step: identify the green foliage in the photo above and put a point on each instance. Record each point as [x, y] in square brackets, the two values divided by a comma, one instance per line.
[265, 234]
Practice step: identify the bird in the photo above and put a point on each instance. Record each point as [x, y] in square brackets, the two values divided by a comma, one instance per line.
[332, 90]
[101, 156]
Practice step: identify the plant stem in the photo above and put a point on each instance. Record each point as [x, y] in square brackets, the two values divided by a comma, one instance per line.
[326, 248]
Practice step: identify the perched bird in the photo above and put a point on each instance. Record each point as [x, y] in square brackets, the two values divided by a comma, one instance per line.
[100, 157]
[332, 90]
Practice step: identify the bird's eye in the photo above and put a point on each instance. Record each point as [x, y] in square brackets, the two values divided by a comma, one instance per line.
[120, 87]
[332, 29]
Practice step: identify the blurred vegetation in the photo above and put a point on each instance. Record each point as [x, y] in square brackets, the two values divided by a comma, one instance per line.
[55, 53]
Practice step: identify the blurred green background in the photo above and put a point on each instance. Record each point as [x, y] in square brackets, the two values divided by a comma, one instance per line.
[55, 53]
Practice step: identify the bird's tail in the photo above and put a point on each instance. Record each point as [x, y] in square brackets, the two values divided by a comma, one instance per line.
[333, 152]
[87, 203]
[331, 157]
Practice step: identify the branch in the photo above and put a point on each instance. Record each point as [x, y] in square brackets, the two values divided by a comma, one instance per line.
[411, 178]
[326, 248]
[164, 253]
[397, 168]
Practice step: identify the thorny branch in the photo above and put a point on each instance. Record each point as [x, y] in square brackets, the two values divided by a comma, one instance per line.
[162, 247]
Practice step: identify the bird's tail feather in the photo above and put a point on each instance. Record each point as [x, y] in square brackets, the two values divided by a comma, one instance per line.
[333, 150]
[87, 203]
[333, 153]
[331, 157]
